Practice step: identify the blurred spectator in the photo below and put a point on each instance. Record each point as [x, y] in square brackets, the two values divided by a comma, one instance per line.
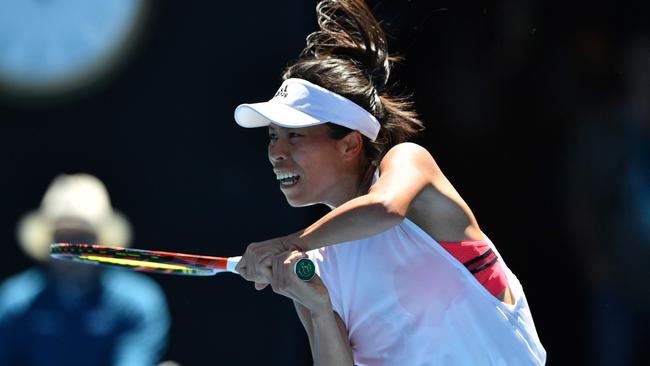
[608, 202]
[61, 313]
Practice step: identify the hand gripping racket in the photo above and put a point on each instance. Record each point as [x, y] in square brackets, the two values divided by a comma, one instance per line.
[160, 262]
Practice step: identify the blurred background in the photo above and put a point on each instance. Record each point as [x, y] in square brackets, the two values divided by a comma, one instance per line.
[537, 111]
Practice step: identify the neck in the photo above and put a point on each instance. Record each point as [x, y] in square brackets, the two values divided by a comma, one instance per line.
[353, 185]
[366, 178]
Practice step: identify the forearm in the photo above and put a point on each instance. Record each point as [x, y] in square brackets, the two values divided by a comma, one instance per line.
[305, 318]
[356, 219]
[327, 337]
[330, 344]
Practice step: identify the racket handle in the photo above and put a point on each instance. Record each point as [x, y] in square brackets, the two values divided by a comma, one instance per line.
[231, 263]
[304, 268]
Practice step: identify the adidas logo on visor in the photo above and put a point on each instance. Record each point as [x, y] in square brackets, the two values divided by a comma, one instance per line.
[282, 92]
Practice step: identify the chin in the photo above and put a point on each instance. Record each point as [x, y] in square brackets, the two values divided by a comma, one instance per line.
[297, 202]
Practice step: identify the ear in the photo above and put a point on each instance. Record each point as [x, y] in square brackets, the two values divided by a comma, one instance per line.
[351, 145]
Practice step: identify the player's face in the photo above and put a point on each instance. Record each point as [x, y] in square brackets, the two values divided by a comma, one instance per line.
[307, 164]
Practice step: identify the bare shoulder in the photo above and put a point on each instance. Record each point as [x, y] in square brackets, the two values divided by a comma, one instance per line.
[409, 155]
[407, 150]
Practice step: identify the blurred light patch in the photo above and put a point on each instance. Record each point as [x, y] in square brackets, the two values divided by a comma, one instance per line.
[52, 47]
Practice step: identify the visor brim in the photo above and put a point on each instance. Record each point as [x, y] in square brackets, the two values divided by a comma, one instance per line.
[262, 114]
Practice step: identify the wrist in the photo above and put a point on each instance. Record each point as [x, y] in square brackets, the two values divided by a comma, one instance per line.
[322, 304]
[322, 313]
[296, 242]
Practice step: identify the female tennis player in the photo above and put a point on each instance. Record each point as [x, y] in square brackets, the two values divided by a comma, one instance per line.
[406, 276]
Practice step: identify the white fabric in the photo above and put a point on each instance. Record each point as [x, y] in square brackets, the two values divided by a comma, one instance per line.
[299, 103]
[406, 301]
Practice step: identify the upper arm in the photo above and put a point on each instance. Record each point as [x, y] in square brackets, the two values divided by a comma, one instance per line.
[412, 185]
[405, 172]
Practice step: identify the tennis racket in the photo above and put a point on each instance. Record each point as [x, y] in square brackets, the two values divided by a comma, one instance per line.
[160, 262]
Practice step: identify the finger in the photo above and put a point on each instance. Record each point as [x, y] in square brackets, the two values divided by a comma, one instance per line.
[294, 256]
[267, 260]
[291, 262]
[244, 272]
[277, 275]
[274, 277]
[243, 267]
[264, 273]
[258, 268]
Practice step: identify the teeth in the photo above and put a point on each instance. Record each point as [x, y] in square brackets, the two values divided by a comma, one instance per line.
[281, 176]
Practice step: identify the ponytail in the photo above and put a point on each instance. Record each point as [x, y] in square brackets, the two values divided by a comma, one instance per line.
[348, 29]
[349, 56]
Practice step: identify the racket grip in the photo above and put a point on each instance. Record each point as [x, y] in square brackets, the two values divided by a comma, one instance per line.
[304, 268]
[231, 263]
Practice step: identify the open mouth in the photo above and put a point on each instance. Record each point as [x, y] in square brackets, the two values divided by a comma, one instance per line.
[287, 179]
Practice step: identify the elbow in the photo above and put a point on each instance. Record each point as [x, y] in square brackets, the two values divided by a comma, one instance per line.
[388, 212]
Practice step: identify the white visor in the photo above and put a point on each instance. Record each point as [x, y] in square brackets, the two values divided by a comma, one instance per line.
[299, 103]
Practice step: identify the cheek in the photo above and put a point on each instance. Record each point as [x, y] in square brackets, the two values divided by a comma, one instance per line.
[305, 157]
[320, 170]
[316, 159]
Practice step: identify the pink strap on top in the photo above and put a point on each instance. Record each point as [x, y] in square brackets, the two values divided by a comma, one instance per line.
[481, 261]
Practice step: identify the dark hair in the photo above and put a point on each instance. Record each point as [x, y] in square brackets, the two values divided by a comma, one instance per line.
[349, 56]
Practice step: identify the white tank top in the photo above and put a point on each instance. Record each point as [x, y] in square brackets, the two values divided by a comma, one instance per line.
[406, 301]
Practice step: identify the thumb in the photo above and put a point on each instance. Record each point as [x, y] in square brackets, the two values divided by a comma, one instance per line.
[260, 286]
